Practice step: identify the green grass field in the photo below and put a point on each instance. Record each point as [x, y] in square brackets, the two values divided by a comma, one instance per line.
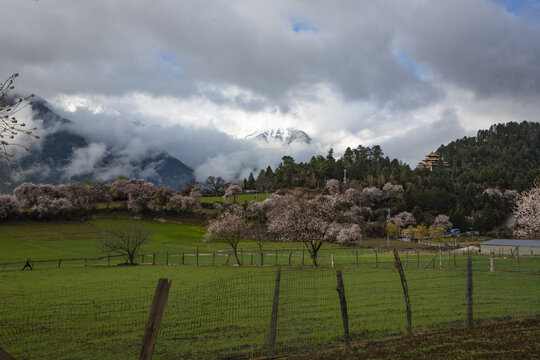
[240, 199]
[96, 311]
[53, 240]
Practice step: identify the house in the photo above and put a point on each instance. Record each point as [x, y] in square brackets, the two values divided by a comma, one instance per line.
[510, 247]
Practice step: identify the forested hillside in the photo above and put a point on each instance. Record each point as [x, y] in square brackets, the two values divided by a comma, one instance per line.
[505, 156]
[476, 190]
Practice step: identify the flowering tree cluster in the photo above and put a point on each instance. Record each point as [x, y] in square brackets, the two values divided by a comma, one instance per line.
[492, 192]
[372, 194]
[442, 221]
[392, 191]
[326, 218]
[9, 207]
[186, 204]
[45, 200]
[404, 218]
[232, 191]
[527, 214]
[229, 226]
[144, 197]
[332, 186]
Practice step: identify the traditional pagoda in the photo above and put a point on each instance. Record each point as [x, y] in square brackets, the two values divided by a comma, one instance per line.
[431, 162]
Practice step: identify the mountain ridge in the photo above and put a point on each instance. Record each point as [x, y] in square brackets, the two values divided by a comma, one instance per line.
[60, 146]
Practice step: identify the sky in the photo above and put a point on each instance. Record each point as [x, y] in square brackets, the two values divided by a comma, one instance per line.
[193, 78]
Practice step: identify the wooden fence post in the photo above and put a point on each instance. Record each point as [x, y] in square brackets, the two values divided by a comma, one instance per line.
[5, 356]
[517, 258]
[228, 257]
[154, 259]
[407, 258]
[183, 258]
[491, 262]
[332, 259]
[405, 290]
[276, 257]
[59, 262]
[274, 317]
[344, 315]
[376, 259]
[154, 319]
[197, 256]
[290, 255]
[85, 261]
[167, 259]
[108, 260]
[357, 259]
[213, 258]
[418, 259]
[142, 259]
[455, 259]
[448, 259]
[242, 255]
[252, 258]
[440, 257]
[469, 293]
[4, 267]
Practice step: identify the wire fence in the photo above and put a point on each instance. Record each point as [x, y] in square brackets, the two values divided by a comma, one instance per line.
[359, 258]
[231, 317]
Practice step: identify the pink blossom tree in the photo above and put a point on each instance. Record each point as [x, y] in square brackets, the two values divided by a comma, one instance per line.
[404, 219]
[229, 227]
[492, 192]
[140, 194]
[372, 194]
[347, 234]
[527, 214]
[313, 222]
[47, 206]
[9, 206]
[510, 195]
[442, 221]
[232, 191]
[392, 191]
[333, 186]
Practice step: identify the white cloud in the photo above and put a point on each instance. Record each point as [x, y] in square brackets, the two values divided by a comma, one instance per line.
[193, 78]
[85, 159]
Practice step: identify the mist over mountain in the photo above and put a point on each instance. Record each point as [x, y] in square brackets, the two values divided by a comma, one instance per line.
[61, 155]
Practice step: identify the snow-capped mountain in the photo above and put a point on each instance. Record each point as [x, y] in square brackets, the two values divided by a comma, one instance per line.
[285, 136]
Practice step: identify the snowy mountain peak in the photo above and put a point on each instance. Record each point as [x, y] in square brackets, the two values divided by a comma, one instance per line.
[285, 136]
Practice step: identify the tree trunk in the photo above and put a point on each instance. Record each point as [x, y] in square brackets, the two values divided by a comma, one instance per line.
[313, 249]
[236, 255]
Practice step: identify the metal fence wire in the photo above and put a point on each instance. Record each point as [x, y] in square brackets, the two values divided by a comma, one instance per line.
[231, 317]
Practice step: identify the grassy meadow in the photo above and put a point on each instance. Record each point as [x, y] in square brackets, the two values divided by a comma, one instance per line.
[240, 199]
[97, 311]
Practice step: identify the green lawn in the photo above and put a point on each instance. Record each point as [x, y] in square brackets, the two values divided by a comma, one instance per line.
[96, 311]
[100, 312]
[240, 199]
[53, 240]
